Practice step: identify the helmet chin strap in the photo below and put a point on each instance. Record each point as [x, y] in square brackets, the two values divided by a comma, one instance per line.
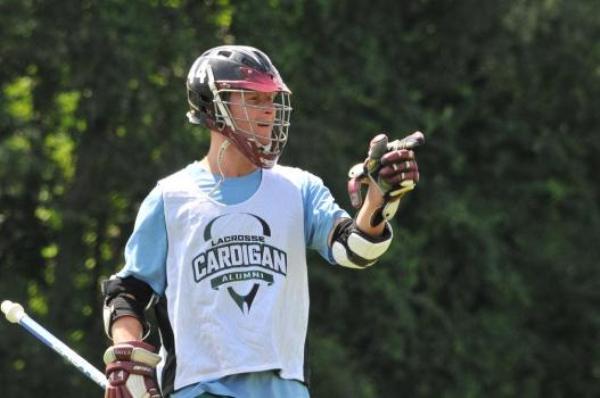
[220, 156]
[267, 147]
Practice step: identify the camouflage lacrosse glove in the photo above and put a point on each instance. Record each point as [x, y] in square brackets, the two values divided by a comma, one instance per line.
[130, 370]
[392, 168]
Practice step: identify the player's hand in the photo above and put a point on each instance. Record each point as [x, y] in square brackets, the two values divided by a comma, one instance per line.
[130, 370]
[393, 170]
[390, 168]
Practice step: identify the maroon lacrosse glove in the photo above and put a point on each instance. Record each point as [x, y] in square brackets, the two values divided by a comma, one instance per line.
[397, 171]
[391, 167]
[130, 370]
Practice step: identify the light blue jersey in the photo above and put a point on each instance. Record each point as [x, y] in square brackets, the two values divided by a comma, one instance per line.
[146, 253]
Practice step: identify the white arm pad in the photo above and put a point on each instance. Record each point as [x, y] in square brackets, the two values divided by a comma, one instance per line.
[354, 249]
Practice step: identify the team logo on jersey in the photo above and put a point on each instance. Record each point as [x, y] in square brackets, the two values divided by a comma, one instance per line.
[239, 261]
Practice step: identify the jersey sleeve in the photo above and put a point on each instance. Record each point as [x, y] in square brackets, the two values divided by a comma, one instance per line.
[146, 249]
[320, 215]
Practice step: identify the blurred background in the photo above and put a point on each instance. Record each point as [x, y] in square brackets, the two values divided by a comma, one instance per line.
[492, 287]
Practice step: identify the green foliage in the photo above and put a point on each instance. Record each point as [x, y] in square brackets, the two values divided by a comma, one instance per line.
[492, 287]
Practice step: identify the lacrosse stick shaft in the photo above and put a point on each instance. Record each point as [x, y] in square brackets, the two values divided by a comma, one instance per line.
[16, 314]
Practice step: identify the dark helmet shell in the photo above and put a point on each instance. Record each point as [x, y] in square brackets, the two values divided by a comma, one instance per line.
[228, 68]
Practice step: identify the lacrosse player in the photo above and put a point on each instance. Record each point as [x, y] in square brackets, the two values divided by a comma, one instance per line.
[219, 247]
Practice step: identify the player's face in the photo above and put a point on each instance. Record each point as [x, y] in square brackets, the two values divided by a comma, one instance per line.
[253, 112]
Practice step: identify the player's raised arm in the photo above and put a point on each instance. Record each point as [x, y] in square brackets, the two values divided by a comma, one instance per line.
[390, 171]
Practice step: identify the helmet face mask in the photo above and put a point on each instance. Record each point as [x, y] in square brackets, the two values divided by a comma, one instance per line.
[236, 91]
[261, 128]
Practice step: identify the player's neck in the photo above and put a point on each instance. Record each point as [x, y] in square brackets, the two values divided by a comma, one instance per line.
[233, 163]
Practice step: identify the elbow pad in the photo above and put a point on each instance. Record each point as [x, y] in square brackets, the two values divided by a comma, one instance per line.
[353, 248]
[126, 297]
